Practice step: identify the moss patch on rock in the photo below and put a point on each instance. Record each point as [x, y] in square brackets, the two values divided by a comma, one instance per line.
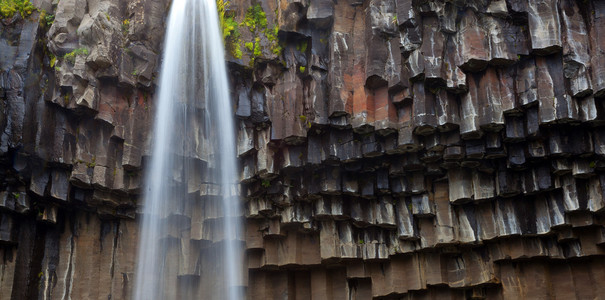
[8, 8]
[230, 29]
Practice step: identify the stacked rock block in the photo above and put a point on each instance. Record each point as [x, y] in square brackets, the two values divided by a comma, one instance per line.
[425, 150]
[76, 89]
[388, 149]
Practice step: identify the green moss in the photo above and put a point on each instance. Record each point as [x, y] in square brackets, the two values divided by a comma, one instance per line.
[256, 21]
[8, 8]
[305, 121]
[257, 50]
[229, 26]
[255, 18]
[93, 163]
[249, 46]
[302, 69]
[53, 59]
[277, 49]
[302, 46]
[71, 56]
[271, 34]
[46, 20]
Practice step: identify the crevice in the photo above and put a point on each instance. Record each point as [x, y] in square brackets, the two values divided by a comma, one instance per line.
[68, 273]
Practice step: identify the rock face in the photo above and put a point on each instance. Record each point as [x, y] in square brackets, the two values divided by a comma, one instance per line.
[402, 149]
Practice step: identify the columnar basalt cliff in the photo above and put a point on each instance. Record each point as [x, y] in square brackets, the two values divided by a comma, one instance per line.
[398, 149]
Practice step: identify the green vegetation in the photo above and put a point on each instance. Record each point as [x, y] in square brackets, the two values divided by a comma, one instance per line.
[305, 121]
[53, 59]
[256, 21]
[71, 56]
[125, 26]
[302, 46]
[255, 18]
[254, 47]
[93, 163]
[302, 69]
[230, 28]
[8, 8]
[66, 99]
[265, 183]
[249, 46]
[46, 20]
[271, 34]
[257, 52]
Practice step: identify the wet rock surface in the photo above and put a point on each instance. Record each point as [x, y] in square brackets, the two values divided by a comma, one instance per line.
[401, 149]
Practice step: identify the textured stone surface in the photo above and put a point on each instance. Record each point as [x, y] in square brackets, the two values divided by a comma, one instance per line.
[402, 149]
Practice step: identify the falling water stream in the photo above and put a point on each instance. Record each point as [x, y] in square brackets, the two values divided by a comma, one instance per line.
[189, 244]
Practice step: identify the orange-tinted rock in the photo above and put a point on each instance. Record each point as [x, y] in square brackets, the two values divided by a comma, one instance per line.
[415, 149]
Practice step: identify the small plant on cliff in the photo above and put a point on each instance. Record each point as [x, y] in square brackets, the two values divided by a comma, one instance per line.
[46, 20]
[53, 60]
[256, 21]
[265, 183]
[125, 26]
[8, 8]
[255, 18]
[93, 163]
[71, 56]
[271, 34]
[229, 27]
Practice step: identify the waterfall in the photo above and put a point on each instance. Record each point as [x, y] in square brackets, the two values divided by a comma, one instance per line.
[191, 229]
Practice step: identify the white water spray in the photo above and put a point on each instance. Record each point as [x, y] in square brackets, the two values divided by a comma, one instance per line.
[189, 243]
